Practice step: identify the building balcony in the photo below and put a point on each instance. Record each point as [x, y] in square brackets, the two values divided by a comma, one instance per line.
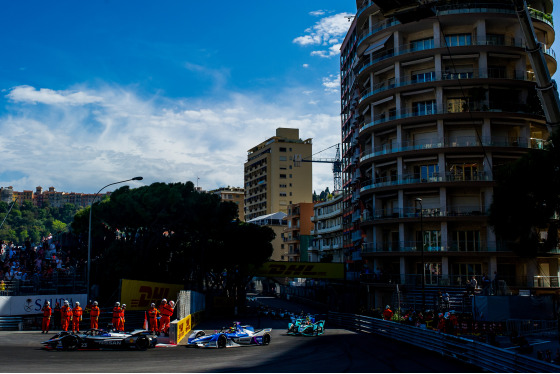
[465, 247]
[473, 110]
[453, 142]
[434, 178]
[412, 212]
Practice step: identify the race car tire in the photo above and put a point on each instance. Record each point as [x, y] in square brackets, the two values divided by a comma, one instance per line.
[70, 343]
[266, 339]
[222, 341]
[142, 343]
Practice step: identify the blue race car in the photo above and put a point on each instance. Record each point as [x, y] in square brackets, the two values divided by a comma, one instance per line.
[235, 336]
[306, 326]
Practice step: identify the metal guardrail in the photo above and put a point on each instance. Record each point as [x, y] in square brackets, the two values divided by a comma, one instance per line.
[10, 323]
[479, 354]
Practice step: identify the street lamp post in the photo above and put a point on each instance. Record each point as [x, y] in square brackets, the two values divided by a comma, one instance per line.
[419, 200]
[89, 230]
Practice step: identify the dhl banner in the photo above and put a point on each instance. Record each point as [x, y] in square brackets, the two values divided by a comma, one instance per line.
[301, 270]
[138, 295]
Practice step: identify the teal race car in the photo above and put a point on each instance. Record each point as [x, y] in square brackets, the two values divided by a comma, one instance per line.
[306, 326]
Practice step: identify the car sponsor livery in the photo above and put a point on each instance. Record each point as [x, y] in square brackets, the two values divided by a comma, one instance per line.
[236, 336]
[101, 339]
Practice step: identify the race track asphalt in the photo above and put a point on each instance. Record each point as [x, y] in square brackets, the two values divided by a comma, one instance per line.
[336, 351]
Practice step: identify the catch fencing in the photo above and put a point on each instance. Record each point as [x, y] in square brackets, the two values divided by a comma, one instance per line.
[483, 355]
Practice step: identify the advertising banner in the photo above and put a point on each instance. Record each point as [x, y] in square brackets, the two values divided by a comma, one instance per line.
[32, 304]
[183, 328]
[317, 270]
[138, 295]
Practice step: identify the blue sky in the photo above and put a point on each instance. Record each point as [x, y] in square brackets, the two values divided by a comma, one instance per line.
[93, 92]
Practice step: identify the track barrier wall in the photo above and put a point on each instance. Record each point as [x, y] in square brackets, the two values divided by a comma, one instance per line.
[483, 355]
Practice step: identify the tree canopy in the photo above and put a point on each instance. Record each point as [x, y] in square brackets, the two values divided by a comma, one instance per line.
[527, 200]
[172, 233]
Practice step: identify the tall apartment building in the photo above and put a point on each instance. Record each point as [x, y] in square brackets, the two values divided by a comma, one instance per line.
[297, 235]
[272, 179]
[327, 231]
[429, 110]
[235, 195]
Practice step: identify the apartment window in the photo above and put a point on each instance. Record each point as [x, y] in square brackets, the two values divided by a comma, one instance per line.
[464, 172]
[457, 105]
[432, 239]
[423, 77]
[466, 241]
[283, 158]
[421, 108]
[495, 39]
[282, 149]
[458, 40]
[283, 194]
[290, 175]
[283, 186]
[426, 172]
[420, 44]
[282, 176]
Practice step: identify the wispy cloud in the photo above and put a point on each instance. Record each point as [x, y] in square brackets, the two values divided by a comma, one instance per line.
[327, 33]
[29, 94]
[83, 138]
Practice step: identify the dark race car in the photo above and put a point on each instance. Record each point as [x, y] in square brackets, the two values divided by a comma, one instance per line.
[235, 336]
[306, 326]
[101, 339]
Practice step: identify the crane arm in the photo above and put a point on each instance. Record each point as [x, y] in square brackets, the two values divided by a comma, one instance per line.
[546, 86]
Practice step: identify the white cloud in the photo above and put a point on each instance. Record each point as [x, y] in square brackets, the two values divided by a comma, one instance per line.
[326, 33]
[29, 94]
[332, 83]
[305, 66]
[317, 13]
[122, 135]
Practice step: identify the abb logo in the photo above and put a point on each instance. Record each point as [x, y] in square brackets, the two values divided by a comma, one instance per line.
[294, 270]
[150, 295]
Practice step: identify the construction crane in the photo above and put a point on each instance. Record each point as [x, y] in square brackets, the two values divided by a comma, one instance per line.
[337, 164]
[406, 11]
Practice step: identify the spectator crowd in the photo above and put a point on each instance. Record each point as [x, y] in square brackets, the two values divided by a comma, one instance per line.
[36, 263]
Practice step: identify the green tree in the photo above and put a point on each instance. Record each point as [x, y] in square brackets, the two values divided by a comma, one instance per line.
[172, 233]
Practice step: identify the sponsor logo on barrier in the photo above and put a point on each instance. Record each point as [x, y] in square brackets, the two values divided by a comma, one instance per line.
[311, 270]
[150, 295]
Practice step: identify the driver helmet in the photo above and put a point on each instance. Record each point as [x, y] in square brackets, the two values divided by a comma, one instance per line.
[172, 303]
[95, 303]
[117, 304]
[77, 303]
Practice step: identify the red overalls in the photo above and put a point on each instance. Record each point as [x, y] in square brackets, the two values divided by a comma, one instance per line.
[94, 317]
[152, 319]
[46, 318]
[77, 317]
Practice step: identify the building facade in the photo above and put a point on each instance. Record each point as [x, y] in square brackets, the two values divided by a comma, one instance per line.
[235, 195]
[274, 178]
[327, 231]
[297, 234]
[430, 109]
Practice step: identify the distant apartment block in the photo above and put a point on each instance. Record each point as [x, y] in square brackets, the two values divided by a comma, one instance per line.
[235, 195]
[297, 235]
[327, 231]
[51, 197]
[272, 179]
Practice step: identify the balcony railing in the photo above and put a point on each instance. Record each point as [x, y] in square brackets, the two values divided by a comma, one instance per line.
[433, 178]
[452, 246]
[454, 142]
[411, 212]
[444, 75]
